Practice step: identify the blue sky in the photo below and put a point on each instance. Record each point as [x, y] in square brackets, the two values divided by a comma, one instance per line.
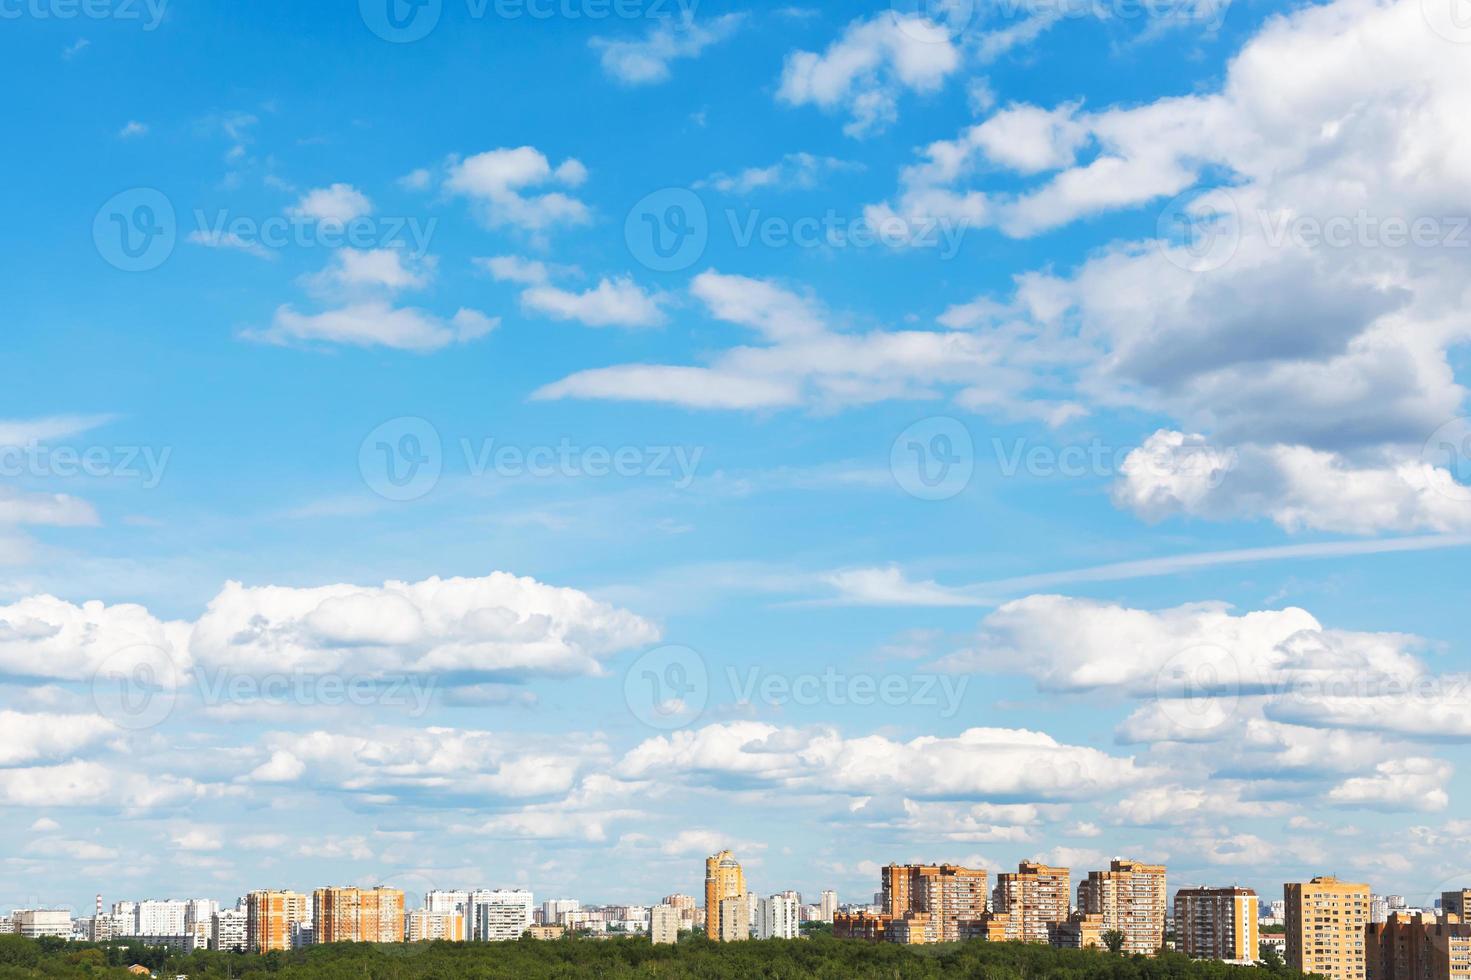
[1189, 589]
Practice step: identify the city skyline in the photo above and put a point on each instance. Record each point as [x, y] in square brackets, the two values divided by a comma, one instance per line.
[545, 444]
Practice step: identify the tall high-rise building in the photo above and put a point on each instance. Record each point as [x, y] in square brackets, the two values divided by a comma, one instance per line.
[553, 909]
[932, 899]
[269, 917]
[1416, 947]
[228, 931]
[1130, 897]
[725, 883]
[829, 906]
[358, 915]
[501, 914]
[1325, 927]
[664, 921]
[1025, 902]
[1456, 903]
[455, 903]
[777, 917]
[1217, 923]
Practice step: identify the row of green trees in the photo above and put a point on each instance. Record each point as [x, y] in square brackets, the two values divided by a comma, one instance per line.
[819, 956]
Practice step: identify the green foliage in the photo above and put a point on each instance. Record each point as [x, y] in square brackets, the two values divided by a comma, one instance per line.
[817, 957]
[1113, 939]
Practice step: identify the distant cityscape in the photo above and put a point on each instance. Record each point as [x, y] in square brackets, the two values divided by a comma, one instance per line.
[1338, 929]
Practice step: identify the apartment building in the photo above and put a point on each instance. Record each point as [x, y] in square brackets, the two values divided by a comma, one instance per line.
[1130, 897]
[664, 922]
[229, 931]
[1326, 920]
[935, 899]
[424, 926]
[269, 916]
[778, 917]
[1025, 903]
[502, 914]
[828, 907]
[358, 915]
[1218, 924]
[1078, 931]
[1456, 903]
[1418, 947]
[35, 923]
[725, 884]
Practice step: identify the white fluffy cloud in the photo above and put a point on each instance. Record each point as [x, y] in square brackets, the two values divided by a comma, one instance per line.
[445, 761]
[646, 61]
[499, 624]
[94, 784]
[386, 269]
[1297, 487]
[611, 303]
[502, 183]
[979, 763]
[1399, 784]
[27, 738]
[865, 71]
[339, 204]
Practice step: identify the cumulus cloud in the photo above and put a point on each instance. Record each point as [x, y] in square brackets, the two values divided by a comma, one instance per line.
[27, 738]
[611, 303]
[979, 763]
[388, 270]
[496, 625]
[1399, 784]
[646, 61]
[502, 183]
[1298, 488]
[866, 70]
[338, 204]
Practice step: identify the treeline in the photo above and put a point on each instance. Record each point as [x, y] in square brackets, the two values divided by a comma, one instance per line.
[819, 957]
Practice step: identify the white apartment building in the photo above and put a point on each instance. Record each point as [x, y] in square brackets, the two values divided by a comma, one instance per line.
[227, 931]
[455, 902]
[664, 923]
[160, 918]
[829, 905]
[501, 914]
[552, 910]
[777, 917]
[34, 923]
